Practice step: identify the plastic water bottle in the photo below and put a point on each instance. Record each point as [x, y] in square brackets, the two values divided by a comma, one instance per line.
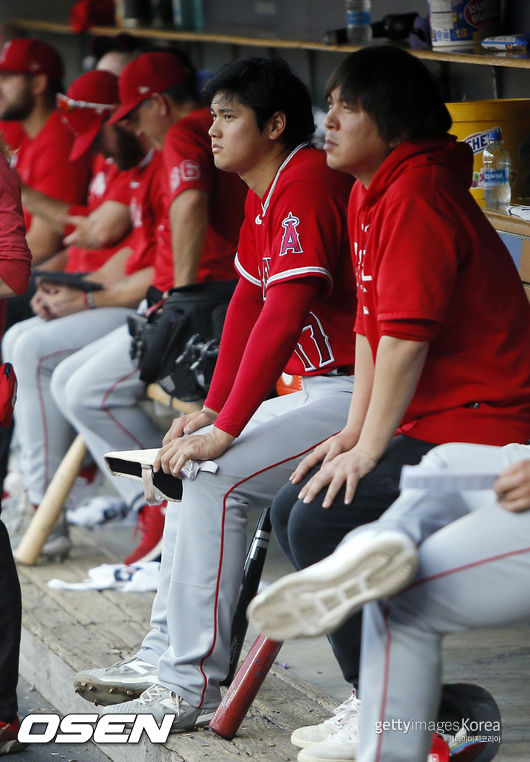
[188, 14]
[358, 19]
[496, 164]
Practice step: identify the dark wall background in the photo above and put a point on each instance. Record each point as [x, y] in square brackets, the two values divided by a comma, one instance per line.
[297, 19]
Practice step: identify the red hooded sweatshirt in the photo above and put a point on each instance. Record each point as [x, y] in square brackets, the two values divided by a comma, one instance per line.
[430, 267]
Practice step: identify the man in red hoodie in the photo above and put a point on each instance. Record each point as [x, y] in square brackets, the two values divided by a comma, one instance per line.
[441, 356]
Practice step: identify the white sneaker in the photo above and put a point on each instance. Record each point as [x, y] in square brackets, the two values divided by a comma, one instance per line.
[159, 701]
[97, 511]
[343, 714]
[340, 746]
[123, 681]
[369, 565]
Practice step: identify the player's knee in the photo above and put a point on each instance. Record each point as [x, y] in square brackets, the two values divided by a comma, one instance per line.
[441, 456]
[8, 343]
[70, 392]
[24, 351]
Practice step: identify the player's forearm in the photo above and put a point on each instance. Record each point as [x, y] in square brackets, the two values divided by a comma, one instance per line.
[43, 242]
[107, 225]
[269, 347]
[113, 270]
[189, 222]
[49, 209]
[57, 261]
[362, 388]
[243, 311]
[398, 367]
[129, 292]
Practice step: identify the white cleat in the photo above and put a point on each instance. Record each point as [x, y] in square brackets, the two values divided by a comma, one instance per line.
[123, 681]
[368, 566]
[159, 701]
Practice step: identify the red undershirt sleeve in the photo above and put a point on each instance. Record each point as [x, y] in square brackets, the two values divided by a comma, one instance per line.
[243, 311]
[271, 342]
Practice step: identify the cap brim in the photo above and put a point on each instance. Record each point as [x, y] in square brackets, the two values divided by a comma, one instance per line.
[7, 69]
[83, 141]
[123, 111]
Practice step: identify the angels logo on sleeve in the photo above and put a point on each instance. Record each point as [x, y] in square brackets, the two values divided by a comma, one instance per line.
[290, 240]
[190, 170]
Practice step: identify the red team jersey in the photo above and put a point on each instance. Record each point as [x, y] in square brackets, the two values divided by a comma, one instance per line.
[42, 163]
[293, 233]
[146, 198]
[108, 184]
[188, 164]
[430, 267]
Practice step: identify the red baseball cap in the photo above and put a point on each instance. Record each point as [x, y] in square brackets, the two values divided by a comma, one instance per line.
[31, 56]
[147, 75]
[88, 102]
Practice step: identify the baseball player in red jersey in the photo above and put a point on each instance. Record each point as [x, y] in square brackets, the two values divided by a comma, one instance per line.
[30, 75]
[37, 346]
[95, 231]
[204, 206]
[292, 309]
[198, 220]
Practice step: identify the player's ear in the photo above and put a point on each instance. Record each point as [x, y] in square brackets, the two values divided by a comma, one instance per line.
[276, 125]
[39, 83]
[161, 102]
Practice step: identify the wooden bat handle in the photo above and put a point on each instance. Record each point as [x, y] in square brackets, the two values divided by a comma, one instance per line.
[51, 504]
[242, 692]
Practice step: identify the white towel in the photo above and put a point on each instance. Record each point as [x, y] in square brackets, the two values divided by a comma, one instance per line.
[138, 578]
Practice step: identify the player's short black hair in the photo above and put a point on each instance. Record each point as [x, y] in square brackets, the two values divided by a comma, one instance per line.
[395, 89]
[267, 85]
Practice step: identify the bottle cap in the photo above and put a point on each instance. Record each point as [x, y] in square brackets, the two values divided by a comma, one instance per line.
[495, 134]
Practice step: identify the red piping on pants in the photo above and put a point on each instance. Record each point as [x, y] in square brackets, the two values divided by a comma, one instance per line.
[217, 585]
[107, 411]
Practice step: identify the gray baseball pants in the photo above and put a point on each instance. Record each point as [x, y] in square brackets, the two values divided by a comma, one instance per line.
[474, 572]
[37, 348]
[99, 391]
[202, 563]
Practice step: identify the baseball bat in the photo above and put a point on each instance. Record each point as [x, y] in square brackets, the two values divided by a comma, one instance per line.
[51, 504]
[245, 685]
[253, 568]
